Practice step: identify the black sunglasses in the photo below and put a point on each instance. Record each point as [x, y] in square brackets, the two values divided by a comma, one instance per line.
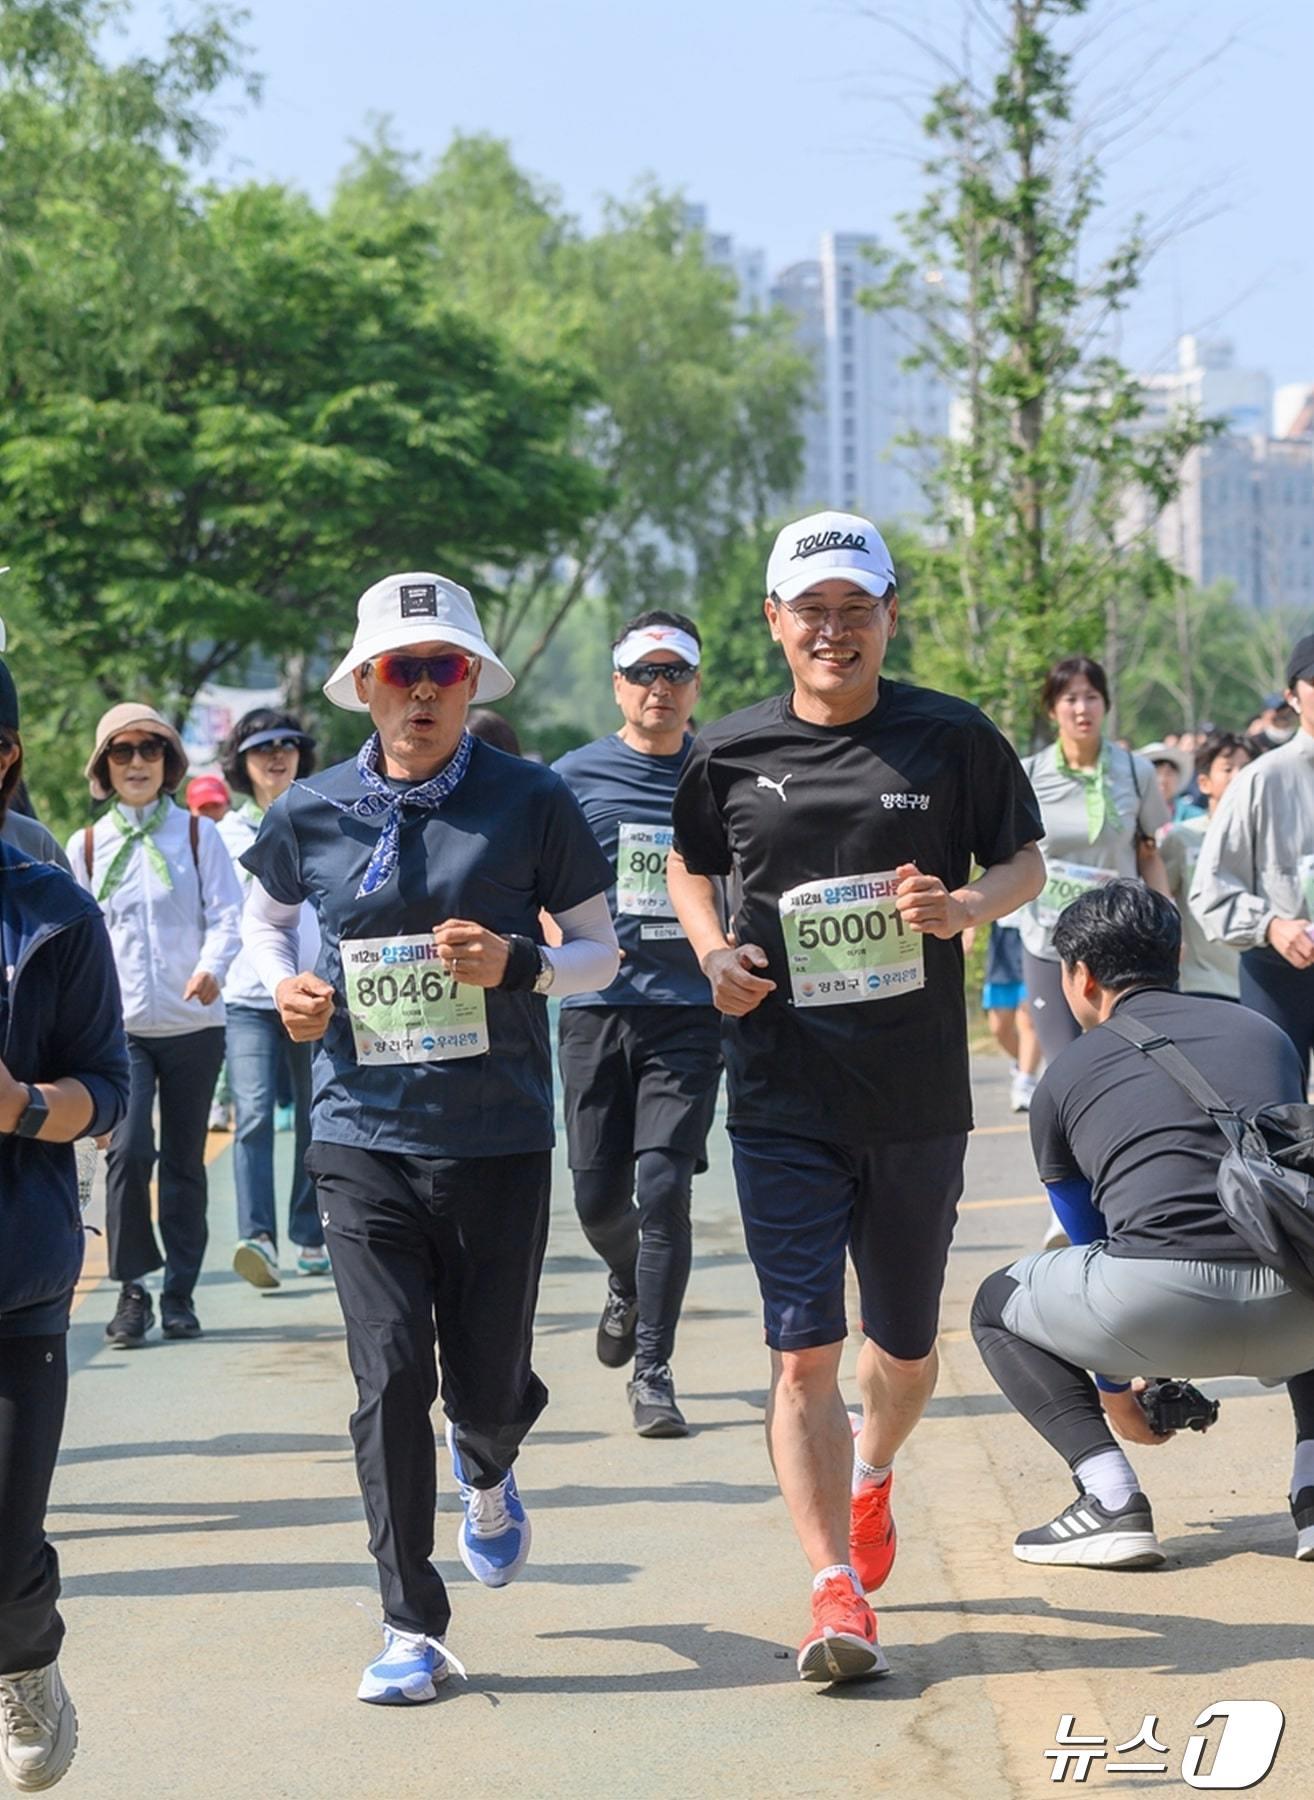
[644, 674]
[150, 750]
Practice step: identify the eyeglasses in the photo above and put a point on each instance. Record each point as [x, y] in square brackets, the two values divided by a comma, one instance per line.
[274, 747]
[644, 674]
[150, 750]
[854, 615]
[398, 671]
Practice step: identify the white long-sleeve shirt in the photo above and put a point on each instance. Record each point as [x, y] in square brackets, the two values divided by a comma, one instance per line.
[244, 987]
[161, 935]
[1257, 860]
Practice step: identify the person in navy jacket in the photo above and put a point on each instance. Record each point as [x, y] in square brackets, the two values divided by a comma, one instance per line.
[63, 1075]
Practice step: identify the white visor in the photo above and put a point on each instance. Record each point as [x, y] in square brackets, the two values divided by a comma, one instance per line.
[639, 645]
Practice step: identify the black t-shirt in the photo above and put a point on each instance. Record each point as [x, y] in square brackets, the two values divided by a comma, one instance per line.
[779, 804]
[1106, 1113]
[508, 841]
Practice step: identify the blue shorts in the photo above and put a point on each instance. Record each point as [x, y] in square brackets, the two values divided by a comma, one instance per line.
[1004, 989]
[891, 1207]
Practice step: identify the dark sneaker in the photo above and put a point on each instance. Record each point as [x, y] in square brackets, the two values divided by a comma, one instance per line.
[1302, 1511]
[178, 1318]
[133, 1317]
[652, 1401]
[1086, 1536]
[616, 1329]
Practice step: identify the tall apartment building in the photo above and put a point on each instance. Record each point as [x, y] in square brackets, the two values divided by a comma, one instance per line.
[863, 400]
[1245, 512]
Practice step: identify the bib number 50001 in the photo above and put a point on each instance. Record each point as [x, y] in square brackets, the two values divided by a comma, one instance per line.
[854, 928]
[846, 940]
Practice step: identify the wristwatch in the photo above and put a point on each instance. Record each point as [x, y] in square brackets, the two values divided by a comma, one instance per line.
[34, 1114]
[546, 973]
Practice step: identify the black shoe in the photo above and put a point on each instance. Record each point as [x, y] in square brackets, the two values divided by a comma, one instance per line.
[652, 1401]
[1302, 1511]
[1085, 1535]
[616, 1329]
[178, 1318]
[133, 1317]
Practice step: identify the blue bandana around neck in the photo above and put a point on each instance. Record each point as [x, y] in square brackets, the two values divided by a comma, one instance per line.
[379, 801]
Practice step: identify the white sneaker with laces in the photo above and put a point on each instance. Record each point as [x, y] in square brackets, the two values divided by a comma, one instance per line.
[256, 1261]
[1020, 1090]
[38, 1728]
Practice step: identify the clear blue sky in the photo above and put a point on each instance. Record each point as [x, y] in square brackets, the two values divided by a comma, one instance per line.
[783, 117]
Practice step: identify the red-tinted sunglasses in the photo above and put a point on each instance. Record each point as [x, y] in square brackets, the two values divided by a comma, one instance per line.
[400, 671]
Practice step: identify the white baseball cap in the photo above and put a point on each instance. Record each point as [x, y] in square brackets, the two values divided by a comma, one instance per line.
[416, 608]
[829, 546]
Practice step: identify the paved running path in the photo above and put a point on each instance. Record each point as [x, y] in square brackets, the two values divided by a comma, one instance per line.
[215, 1568]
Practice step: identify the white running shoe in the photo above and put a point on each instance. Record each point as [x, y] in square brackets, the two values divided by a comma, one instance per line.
[256, 1261]
[1020, 1090]
[38, 1728]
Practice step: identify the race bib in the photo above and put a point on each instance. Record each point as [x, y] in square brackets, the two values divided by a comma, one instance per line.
[641, 872]
[404, 1008]
[1063, 882]
[845, 941]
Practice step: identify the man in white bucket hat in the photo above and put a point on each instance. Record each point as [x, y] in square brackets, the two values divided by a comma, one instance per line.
[428, 858]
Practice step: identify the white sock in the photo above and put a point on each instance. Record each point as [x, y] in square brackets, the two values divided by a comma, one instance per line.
[865, 1476]
[1108, 1477]
[1302, 1466]
[824, 1575]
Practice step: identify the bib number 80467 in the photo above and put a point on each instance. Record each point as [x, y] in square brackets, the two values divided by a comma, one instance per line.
[388, 989]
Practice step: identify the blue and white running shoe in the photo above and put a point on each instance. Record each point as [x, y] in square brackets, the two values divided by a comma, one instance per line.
[495, 1535]
[408, 1671]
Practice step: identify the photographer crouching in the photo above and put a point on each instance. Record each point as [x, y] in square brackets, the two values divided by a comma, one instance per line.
[1156, 1279]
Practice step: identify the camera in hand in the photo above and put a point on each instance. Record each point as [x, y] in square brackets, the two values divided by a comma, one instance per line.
[1177, 1406]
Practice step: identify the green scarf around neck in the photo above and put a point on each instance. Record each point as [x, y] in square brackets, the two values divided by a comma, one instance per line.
[1101, 807]
[132, 835]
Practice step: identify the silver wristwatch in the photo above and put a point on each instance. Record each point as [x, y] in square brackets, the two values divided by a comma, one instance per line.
[546, 973]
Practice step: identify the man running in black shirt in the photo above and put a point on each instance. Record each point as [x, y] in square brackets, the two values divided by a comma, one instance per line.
[640, 1062]
[849, 813]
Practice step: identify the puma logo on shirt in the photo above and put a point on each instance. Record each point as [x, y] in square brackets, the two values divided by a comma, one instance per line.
[765, 781]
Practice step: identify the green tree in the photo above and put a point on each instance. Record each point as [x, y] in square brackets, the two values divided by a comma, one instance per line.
[314, 417]
[1030, 553]
[694, 426]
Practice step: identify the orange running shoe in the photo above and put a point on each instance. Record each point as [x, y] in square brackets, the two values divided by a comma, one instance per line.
[842, 1643]
[872, 1537]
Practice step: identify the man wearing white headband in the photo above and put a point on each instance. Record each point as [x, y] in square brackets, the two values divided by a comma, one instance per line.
[641, 1059]
[428, 858]
[850, 812]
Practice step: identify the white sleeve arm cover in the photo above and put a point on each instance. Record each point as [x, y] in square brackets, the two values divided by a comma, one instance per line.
[588, 956]
[270, 936]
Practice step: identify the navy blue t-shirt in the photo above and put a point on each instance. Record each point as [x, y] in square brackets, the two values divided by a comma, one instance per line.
[627, 795]
[509, 840]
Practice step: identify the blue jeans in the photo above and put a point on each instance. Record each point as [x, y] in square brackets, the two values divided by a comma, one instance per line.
[257, 1043]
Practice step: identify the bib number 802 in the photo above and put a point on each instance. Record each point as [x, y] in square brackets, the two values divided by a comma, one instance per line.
[388, 990]
[833, 929]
